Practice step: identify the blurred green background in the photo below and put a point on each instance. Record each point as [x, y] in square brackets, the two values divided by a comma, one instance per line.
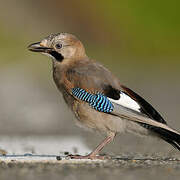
[137, 40]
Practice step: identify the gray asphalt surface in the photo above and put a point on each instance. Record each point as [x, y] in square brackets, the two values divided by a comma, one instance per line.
[119, 168]
[34, 157]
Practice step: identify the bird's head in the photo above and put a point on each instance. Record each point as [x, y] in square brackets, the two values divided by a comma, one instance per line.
[60, 46]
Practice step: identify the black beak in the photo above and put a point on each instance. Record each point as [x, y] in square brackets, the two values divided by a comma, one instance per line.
[36, 47]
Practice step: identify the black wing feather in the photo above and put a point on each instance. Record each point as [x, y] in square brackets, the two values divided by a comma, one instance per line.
[146, 108]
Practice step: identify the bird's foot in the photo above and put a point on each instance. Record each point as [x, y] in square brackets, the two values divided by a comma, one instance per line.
[92, 157]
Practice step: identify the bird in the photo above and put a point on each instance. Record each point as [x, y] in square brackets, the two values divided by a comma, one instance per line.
[97, 98]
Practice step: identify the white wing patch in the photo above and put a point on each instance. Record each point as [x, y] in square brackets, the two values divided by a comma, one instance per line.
[127, 101]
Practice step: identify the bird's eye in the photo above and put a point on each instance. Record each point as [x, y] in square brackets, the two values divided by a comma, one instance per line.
[58, 46]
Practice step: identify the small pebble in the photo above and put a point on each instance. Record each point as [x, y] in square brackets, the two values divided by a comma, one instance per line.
[3, 152]
[58, 158]
[66, 153]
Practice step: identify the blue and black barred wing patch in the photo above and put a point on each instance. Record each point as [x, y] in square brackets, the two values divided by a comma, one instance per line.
[97, 101]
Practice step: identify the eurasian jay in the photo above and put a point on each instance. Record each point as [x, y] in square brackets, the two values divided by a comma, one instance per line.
[96, 96]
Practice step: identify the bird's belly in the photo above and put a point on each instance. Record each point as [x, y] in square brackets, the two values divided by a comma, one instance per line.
[92, 119]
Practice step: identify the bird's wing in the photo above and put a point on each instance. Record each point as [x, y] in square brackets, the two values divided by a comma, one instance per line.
[94, 78]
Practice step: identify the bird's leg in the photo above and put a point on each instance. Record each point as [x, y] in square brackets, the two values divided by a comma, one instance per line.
[94, 154]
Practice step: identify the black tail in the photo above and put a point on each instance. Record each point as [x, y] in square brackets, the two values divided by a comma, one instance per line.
[167, 135]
